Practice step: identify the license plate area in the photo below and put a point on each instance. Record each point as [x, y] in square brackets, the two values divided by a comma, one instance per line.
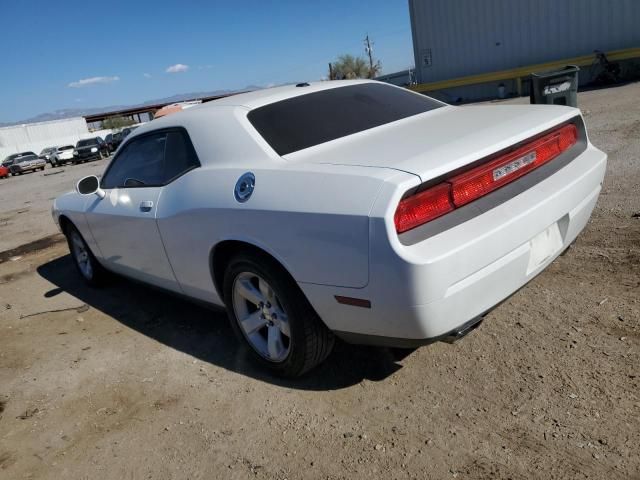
[543, 246]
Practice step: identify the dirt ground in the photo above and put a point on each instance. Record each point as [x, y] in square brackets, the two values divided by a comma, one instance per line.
[25, 213]
[126, 382]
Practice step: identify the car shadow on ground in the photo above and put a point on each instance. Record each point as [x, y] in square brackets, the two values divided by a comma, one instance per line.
[206, 334]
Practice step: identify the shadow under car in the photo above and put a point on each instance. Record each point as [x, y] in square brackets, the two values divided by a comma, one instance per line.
[205, 333]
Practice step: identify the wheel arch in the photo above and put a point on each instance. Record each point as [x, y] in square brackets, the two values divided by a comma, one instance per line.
[224, 250]
[65, 222]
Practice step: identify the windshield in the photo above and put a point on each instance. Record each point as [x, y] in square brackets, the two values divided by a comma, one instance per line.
[307, 120]
[47, 150]
[86, 143]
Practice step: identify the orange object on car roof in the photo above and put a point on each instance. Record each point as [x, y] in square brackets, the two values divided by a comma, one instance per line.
[174, 108]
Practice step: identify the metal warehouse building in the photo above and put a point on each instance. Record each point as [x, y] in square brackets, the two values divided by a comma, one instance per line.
[457, 39]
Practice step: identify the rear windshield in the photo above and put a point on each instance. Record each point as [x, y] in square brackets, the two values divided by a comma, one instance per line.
[67, 147]
[302, 122]
[90, 141]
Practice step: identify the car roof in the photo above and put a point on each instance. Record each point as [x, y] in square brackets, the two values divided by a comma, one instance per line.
[234, 143]
[259, 98]
[248, 101]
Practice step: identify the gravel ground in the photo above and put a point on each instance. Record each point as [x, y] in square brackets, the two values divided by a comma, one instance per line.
[126, 382]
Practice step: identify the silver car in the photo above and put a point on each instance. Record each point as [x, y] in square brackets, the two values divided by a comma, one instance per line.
[27, 163]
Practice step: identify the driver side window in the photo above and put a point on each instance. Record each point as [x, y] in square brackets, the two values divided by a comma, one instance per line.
[140, 164]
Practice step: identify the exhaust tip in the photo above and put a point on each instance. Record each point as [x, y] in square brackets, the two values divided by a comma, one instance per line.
[462, 331]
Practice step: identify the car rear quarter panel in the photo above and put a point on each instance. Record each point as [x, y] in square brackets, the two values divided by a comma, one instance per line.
[314, 222]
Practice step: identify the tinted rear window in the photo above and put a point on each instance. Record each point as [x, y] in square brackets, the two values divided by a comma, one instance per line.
[302, 122]
[85, 143]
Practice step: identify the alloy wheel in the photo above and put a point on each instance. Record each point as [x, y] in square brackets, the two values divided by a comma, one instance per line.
[261, 317]
[81, 255]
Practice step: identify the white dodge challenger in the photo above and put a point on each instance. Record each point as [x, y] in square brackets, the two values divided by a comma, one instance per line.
[348, 208]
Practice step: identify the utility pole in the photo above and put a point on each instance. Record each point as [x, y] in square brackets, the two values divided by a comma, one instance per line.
[369, 49]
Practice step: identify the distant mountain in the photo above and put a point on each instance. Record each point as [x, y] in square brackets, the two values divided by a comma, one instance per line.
[80, 112]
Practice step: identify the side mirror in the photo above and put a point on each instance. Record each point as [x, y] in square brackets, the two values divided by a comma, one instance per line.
[90, 185]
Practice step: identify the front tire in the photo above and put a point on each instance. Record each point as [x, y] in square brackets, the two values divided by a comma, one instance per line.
[89, 268]
[272, 318]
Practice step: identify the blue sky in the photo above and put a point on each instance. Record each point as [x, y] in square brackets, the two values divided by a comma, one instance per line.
[70, 54]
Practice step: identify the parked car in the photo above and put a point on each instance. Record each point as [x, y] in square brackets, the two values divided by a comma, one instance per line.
[46, 153]
[27, 163]
[354, 209]
[90, 149]
[4, 171]
[8, 161]
[127, 131]
[113, 141]
[62, 155]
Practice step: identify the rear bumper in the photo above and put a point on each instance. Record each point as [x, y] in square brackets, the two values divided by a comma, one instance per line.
[426, 290]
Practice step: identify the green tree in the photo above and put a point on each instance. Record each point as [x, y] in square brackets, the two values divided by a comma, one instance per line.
[115, 123]
[350, 67]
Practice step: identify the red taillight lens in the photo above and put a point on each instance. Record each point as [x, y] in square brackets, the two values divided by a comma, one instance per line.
[479, 181]
[423, 207]
[466, 187]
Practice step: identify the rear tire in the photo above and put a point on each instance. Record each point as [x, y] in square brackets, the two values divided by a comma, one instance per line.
[88, 267]
[272, 317]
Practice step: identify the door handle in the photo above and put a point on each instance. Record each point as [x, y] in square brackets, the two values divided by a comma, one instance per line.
[146, 206]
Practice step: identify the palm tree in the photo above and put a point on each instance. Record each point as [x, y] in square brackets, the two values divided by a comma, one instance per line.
[349, 67]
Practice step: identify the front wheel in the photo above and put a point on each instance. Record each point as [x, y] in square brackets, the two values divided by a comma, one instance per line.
[272, 317]
[90, 270]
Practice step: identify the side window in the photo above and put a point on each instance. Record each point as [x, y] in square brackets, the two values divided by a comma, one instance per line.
[180, 156]
[139, 164]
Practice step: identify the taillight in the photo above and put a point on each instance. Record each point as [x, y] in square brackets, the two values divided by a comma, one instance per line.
[486, 178]
[423, 207]
[468, 186]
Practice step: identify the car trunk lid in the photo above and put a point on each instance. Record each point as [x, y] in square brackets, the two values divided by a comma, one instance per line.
[440, 141]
